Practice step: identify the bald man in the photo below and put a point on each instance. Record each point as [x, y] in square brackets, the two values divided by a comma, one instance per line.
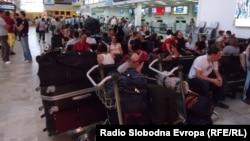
[132, 62]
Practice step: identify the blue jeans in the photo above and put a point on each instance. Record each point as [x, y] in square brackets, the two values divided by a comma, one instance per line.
[219, 93]
[26, 49]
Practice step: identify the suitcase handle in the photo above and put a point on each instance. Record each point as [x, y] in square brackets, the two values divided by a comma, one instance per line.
[81, 96]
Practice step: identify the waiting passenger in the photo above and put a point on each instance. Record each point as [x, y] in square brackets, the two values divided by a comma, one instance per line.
[143, 56]
[180, 42]
[246, 92]
[103, 57]
[232, 47]
[116, 48]
[189, 46]
[167, 45]
[71, 42]
[200, 75]
[220, 43]
[82, 45]
[175, 54]
[200, 46]
[90, 40]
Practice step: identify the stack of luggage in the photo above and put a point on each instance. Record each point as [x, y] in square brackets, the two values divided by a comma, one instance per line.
[68, 97]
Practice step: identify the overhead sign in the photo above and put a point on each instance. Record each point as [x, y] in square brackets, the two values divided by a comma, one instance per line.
[5, 6]
[48, 2]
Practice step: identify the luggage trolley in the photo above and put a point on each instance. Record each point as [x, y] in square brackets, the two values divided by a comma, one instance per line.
[109, 102]
[179, 89]
[68, 104]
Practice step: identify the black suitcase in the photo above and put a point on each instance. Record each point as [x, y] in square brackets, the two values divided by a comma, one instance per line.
[89, 113]
[59, 69]
[57, 98]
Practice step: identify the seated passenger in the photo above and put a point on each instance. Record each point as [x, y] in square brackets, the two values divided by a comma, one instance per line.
[246, 92]
[199, 75]
[103, 57]
[116, 49]
[143, 56]
[167, 45]
[175, 54]
[220, 43]
[201, 46]
[105, 38]
[56, 39]
[232, 47]
[72, 41]
[189, 46]
[81, 45]
[89, 39]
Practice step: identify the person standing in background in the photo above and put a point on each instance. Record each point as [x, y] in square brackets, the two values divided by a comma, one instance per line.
[11, 34]
[41, 29]
[192, 25]
[23, 28]
[18, 22]
[246, 91]
[4, 38]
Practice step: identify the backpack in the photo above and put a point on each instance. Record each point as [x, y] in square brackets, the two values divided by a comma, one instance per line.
[199, 109]
[132, 90]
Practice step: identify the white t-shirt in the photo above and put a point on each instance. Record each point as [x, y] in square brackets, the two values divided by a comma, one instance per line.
[108, 59]
[91, 40]
[202, 64]
[113, 21]
[190, 46]
[123, 67]
[3, 31]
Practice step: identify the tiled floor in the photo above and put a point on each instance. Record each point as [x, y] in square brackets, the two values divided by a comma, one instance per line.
[19, 102]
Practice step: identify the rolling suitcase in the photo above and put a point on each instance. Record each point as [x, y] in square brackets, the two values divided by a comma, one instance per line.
[89, 113]
[63, 97]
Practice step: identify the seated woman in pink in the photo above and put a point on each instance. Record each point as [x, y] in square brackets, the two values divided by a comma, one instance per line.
[103, 57]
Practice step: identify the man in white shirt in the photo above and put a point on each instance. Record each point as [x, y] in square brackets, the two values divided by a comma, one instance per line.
[4, 38]
[71, 42]
[200, 76]
[90, 40]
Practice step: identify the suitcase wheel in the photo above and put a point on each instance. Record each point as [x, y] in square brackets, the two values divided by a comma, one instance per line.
[45, 129]
[40, 108]
[38, 89]
[43, 115]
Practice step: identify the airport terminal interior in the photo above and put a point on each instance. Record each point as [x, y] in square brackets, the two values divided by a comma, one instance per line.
[21, 119]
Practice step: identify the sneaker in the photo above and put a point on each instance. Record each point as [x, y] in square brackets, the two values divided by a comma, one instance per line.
[222, 105]
[7, 62]
[12, 53]
[247, 101]
[27, 61]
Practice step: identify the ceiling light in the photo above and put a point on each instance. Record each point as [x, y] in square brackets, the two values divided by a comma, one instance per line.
[160, 2]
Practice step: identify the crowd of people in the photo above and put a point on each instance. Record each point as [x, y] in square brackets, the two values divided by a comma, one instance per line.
[12, 28]
[114, 39]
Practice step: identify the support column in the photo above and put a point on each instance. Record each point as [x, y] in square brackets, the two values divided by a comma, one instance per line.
[138, 15]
